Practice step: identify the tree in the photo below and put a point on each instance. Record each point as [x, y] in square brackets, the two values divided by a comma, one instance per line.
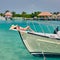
[13, 13]
[7, 11]
[35, 14]
[23, 14]
[56, 13]
[1, 14]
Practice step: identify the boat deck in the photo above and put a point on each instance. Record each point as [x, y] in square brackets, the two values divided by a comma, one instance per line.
[39, 44]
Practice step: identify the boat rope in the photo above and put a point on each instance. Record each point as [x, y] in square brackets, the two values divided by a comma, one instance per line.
[43, 55]
[29, 25]
[34, 27]
[48, 23]
[41, 28]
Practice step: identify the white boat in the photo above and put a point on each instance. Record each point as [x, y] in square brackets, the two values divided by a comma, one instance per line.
[41, 43]
[38, 43]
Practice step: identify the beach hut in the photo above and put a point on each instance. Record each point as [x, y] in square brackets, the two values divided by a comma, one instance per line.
[54, 16]
[45, 15]
[58, 16]
[8, 15]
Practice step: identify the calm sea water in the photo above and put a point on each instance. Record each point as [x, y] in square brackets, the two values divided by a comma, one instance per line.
[11, 45]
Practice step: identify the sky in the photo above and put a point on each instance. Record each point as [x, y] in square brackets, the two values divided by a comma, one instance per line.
[29, 6]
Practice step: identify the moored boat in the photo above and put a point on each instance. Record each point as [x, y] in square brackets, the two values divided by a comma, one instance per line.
[41, 44]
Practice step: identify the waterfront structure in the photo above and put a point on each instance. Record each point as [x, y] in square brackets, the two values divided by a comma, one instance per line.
[8, 15]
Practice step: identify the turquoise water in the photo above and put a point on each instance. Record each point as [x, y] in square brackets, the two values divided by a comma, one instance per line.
[11, 45]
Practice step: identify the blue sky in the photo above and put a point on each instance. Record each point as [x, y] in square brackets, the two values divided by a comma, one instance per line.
[30, 5]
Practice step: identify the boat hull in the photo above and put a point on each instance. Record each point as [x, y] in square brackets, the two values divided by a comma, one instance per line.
[40, 45]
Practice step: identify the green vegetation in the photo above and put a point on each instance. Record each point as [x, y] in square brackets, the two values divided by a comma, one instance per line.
[25, 14]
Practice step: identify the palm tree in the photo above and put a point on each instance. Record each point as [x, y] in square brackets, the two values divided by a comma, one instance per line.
[23, 14]
[13, 13]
